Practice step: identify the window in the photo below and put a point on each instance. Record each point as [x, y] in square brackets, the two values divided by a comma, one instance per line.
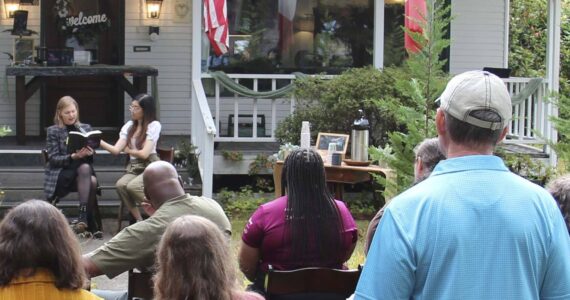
[284, 36]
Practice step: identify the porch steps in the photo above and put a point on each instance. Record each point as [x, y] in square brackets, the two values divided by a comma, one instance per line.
[22, 178]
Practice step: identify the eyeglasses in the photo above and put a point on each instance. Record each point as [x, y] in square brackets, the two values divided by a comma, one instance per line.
[134, 108]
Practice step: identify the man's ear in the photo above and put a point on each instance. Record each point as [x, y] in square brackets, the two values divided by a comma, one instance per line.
[440, 122]
[503, 134]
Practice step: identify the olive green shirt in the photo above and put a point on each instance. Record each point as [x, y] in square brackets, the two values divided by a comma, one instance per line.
[135, 246]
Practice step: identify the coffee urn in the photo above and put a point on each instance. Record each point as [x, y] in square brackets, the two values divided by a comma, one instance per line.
[359, 147]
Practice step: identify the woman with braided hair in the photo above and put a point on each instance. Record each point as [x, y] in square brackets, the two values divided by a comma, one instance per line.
[305, 228]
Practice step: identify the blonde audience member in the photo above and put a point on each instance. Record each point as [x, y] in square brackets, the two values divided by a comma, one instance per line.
[39, 255]
[194, 262]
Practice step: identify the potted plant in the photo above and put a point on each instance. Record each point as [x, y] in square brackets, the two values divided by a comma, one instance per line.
[186, 156]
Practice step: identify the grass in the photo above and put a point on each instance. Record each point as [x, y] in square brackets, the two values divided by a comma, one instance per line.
[238, 224]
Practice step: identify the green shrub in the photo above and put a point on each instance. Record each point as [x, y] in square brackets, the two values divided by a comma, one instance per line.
[331, 105]
[241, 203]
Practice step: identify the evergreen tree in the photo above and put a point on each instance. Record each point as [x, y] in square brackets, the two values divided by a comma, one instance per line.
[421, 82]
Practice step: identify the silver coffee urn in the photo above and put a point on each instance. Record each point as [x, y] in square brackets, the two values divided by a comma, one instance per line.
[359, 147]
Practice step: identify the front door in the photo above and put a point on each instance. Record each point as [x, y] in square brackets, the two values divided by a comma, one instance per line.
[95, 28]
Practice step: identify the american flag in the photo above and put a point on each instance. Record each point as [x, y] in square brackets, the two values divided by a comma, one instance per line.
[216, 25]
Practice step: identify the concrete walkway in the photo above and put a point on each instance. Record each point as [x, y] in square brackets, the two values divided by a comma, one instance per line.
[87, 245]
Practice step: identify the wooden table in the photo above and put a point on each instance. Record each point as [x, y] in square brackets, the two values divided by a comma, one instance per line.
[339, 175]
[25, 90]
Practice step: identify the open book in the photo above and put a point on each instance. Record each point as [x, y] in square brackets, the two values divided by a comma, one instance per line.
[77, 140]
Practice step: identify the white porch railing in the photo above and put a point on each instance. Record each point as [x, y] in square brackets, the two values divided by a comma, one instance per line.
[530, 124]
[203, 132]
[244, 119]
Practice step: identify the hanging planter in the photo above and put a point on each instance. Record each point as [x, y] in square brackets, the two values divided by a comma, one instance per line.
[80, 25]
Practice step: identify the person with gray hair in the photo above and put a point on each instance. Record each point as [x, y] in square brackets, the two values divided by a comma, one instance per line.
[472, 229]
[560, 190]
[428, 154]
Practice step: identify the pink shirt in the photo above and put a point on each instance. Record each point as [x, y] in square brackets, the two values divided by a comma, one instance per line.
[267, 231]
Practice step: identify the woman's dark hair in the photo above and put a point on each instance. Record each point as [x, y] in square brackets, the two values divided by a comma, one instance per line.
[193, 261]
[312, 215]
[33, 235]
[149, 115]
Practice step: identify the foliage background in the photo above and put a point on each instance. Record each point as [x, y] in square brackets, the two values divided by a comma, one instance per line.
[527, 58]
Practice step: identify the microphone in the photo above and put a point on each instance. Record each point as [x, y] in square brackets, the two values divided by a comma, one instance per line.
[79, 128]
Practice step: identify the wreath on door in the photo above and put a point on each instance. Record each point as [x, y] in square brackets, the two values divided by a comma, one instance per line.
[83, 28]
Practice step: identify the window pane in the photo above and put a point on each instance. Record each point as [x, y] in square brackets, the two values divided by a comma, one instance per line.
[394, 50]
[284, 36]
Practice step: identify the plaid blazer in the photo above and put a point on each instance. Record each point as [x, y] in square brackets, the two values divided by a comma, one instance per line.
[58, 158]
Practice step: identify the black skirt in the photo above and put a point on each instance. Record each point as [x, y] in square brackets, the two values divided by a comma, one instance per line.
[67, 179]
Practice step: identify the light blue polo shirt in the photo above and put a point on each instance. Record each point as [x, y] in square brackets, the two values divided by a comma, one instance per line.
[472, 230]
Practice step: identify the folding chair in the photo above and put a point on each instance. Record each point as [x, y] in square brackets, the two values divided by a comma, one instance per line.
[140, 285]
[311, 283]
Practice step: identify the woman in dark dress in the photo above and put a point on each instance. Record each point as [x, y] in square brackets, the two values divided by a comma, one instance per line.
[71, 172]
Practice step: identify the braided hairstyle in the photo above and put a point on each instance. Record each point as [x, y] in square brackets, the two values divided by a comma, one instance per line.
[312, 216]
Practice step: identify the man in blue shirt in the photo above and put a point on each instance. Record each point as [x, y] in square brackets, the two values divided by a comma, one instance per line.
[472, 230]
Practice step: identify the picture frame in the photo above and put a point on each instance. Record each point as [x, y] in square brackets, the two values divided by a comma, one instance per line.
[23, 49]
[325, 138]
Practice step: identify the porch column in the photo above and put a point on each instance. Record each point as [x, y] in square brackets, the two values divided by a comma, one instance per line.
[378, 39]
[553, 63]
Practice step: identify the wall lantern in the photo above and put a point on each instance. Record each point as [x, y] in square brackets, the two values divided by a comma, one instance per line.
[153, 8]
[10, 6]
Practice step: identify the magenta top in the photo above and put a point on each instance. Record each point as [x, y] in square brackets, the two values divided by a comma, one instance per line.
[267, 231]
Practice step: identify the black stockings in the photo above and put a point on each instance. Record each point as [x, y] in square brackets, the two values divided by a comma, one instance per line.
[87, 188]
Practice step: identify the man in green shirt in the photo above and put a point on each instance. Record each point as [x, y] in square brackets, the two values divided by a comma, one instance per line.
[165, 200]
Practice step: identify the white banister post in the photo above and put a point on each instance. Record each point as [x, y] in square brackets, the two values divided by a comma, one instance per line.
[553, 64]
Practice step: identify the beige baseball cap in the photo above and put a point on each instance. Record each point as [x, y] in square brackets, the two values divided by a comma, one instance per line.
[477, 90]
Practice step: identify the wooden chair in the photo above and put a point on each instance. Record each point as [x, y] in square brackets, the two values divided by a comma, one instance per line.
[311, 283]
[55, 199]
[163, 154]
[140, 285]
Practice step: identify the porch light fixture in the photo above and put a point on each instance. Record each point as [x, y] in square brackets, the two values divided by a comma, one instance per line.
[153, 8]
[10, 6]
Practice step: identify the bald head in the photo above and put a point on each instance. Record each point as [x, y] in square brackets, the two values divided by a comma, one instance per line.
[161, 183]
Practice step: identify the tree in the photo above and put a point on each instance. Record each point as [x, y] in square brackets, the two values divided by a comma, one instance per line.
[416, 114]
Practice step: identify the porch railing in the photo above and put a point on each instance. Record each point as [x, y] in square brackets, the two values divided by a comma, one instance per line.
[203, 133]
[530, 124]
[244, 119]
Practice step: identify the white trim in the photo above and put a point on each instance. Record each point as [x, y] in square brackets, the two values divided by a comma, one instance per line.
[506, 33]
[378, 57]
[553, 64]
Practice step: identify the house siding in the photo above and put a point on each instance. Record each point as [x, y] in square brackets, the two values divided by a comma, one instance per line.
[170, 54]
[478, 35]
[7, 84]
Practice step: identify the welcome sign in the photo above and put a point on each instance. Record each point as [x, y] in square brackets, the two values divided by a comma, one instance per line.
[82, 20]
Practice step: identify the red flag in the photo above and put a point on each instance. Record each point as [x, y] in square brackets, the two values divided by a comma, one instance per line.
[416, 11]
[216, 25]
[287, 10]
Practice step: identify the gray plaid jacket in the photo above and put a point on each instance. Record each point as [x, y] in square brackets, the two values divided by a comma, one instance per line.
[58, 158]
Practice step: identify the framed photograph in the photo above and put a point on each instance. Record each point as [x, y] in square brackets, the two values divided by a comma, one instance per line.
[325, 138]
[23, 49]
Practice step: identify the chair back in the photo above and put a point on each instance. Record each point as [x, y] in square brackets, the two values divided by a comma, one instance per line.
[140, 285]
[45, 157]
[166, 154]
[311, 283]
